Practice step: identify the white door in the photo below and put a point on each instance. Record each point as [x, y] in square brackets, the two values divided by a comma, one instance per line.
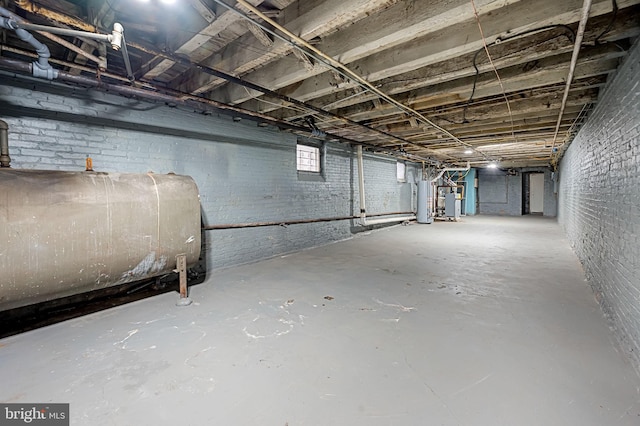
[536, 193]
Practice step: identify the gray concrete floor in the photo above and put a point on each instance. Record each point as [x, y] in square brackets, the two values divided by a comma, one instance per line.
[483, 322]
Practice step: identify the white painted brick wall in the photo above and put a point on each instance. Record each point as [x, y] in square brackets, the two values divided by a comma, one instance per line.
[600, 201]
[244, 173]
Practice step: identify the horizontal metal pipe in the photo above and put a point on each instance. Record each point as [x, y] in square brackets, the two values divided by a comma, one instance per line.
[5, 48]
[249, 85]
[178, 98]
[294, 222]
[25, 4]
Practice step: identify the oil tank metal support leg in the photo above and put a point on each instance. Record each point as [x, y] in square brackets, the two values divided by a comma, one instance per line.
[181, 268]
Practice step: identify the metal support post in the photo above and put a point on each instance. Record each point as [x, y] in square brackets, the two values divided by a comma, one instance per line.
[181, 268]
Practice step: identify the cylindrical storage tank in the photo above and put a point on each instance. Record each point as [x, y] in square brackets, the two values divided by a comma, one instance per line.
[63, 233]
[424, 202]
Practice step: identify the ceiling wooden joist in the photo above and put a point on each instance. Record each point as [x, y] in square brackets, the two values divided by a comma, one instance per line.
[419, 77]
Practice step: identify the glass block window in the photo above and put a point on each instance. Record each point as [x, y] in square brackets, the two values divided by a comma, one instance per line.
[308, 158]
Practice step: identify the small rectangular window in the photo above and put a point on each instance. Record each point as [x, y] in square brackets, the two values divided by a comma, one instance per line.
[308, 158]
[401, 171]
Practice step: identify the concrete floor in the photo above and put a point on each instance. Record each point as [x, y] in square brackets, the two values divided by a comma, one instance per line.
[483, 322]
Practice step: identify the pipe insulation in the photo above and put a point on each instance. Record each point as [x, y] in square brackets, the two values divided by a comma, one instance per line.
[5, 160]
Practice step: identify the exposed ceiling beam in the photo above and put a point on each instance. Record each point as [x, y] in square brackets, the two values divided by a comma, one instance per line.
[188, 47]
[326, 17]
[457, 38]
[392, 27]
[525, 51]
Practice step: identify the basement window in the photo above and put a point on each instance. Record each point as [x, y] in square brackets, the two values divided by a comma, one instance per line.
[309, 161]
[308, 158]
[401, 171]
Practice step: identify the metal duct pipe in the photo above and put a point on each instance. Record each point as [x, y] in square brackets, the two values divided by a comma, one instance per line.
[41, 67]
[363, 208]
[5, 160]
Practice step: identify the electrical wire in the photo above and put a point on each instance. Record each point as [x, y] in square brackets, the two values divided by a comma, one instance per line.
[614, 6]
[486, 48]
[282, 105]
[338, 67]
[504, 39]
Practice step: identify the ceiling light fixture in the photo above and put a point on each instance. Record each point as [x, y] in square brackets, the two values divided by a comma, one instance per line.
[468, 151]
[492, 165]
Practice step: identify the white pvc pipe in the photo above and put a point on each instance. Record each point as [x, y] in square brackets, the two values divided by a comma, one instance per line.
[363, 208]
[586, 7]
[41, 67]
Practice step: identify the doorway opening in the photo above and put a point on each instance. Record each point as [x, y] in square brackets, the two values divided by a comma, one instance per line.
[533, 194]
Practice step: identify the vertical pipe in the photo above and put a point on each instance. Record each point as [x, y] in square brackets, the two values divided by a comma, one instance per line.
[363, 209]
[40, 68]
[5, 160]
[60, 41]
[181, 268]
